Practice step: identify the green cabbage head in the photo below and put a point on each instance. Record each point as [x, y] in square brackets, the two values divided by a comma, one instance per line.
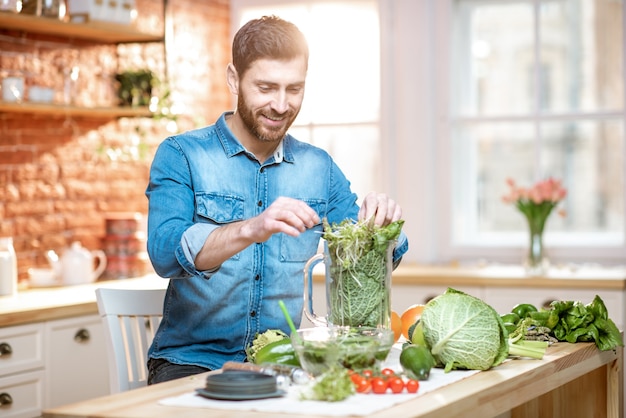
[463, 332]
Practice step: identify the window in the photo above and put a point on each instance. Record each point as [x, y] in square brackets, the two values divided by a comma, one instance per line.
[341, 107]
[468, 93]
[537, 90]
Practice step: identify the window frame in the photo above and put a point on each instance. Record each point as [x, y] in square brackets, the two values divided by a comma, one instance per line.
[508, 251]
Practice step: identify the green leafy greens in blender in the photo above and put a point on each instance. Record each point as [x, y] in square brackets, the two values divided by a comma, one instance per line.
[358, 251]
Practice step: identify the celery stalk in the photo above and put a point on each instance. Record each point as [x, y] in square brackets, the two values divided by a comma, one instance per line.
[527, 348]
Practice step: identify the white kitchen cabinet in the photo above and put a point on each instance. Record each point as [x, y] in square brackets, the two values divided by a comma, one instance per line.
[21, 371]
[21, 394]
[403, 295]
[76, 366]
[51, 363]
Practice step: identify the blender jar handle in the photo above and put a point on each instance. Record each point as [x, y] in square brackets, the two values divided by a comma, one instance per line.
[308, 291]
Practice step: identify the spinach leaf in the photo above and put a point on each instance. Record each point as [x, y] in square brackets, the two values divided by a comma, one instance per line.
[586, 323]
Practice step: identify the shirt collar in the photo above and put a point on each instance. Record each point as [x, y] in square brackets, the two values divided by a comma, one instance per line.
[278, 152]
[232, 146]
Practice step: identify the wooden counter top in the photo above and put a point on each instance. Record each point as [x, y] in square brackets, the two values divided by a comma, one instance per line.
[45, 304]
[61, 302]
[573, 381]
[512, 276]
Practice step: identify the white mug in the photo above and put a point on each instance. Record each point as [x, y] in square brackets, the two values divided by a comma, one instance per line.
[13, 89]
[40, 94]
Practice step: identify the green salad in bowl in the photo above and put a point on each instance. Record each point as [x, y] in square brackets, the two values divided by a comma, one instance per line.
[355, 348]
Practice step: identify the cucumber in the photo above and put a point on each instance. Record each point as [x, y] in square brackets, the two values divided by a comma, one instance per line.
[417, 361]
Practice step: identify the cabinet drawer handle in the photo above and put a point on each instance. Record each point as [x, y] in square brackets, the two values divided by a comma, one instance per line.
[82, 336]
[5, 399]
[5, 349]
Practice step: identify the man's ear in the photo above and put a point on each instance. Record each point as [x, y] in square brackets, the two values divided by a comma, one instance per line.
[232, 79]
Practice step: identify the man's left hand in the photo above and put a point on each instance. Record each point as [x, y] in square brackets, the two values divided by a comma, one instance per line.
[380, 206]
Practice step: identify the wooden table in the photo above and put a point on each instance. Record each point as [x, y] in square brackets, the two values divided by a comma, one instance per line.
[573, 381]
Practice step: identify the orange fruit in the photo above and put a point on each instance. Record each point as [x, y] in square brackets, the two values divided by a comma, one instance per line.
[396, 325]
[410, 316]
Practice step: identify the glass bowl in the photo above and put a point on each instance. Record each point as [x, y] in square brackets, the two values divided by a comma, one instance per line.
[355, 348]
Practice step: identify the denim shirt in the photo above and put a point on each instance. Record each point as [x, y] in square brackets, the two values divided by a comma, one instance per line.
[203, 179]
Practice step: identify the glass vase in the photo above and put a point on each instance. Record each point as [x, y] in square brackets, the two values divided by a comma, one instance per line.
[537, 262]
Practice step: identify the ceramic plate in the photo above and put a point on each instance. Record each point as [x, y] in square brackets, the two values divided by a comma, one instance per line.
[238, 397]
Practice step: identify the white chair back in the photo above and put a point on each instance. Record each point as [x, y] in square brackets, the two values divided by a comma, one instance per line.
[131, 318]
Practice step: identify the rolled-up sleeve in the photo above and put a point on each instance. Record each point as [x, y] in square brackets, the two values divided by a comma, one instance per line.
[191, 243]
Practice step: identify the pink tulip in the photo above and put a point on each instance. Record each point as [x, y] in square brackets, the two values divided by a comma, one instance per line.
[548, 190]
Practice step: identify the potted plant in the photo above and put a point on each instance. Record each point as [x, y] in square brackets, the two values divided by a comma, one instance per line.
[135, 87]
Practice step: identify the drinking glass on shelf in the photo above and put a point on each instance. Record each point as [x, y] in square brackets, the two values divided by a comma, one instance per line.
[14, 6]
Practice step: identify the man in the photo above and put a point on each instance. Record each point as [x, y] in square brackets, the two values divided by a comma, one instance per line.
[236, 209]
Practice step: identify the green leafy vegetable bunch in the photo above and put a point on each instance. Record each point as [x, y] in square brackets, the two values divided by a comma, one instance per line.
[333, 385]
[359, 269]
[586, 323]
[565, 320]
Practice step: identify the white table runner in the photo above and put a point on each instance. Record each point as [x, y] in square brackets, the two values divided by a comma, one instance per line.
[356, 405]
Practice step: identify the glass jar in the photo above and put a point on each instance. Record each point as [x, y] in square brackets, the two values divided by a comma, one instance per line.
[31, 7]
[14, 6]
[358, 293]
[53, 8]
[8, 267]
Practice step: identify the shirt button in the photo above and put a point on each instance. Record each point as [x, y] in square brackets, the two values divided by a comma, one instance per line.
[257, 277]
[253, 313]
[260, 203]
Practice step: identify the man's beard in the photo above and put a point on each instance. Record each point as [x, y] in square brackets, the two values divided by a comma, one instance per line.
[250, 121]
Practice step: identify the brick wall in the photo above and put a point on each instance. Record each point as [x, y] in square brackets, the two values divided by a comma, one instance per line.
[60, 176]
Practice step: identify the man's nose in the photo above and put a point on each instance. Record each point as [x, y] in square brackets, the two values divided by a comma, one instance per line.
[280, 103]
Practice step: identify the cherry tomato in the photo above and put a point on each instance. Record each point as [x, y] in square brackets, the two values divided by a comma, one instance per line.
[379, 385]
[361, 384]
[387, 373]
[412, 386]
[396, 384]
[367, 373]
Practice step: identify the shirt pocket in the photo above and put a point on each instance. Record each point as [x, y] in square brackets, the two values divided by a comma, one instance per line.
[304, 246]
[219, 209]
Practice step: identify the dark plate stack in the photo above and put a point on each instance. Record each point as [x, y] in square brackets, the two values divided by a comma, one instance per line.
[124, 246]
[238, 385]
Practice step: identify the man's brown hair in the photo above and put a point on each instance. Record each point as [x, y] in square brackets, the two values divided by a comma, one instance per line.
[268, 37]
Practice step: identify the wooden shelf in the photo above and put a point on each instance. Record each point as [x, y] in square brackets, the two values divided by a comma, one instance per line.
[103, 32]
[62, 110]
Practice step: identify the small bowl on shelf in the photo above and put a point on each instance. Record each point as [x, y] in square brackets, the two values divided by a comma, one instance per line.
[41, 277]
[355, 348]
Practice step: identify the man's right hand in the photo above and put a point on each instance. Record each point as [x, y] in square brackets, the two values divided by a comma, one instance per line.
[287, 215]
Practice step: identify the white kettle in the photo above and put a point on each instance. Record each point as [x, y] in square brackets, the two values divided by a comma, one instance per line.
[76, 265]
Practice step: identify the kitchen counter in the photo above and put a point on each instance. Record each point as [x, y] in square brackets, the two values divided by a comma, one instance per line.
[573, 381]
[44, 304]
[67, 301]
[584, 277]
